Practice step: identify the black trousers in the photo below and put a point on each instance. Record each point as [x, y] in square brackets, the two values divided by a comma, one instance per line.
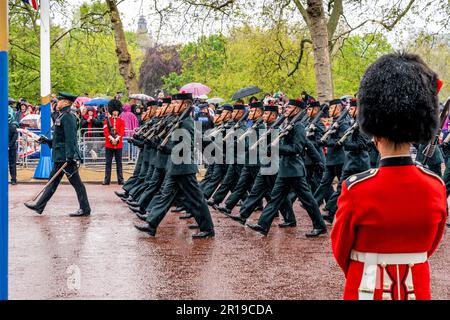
[153, 187]
[220, 170]
[262, 188]
[117, 155]
[325, 189]
[142, 184]
[229, 182]
[313, 177]
[207, 177]
[185, 185]
[137, 170]
[244, 185]
[279, 195]
[73, 175]
[12, 159]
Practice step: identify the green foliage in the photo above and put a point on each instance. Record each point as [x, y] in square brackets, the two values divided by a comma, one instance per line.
[82, 61]
[268, 59]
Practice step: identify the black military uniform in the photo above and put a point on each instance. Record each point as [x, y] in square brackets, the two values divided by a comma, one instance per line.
[263, 185]
[65, 150]
[181, 180]
[334, 160]
[315, 130]
[250, 169]
[220, 169]
[12, 150]
[292, 174]
[234, 169]
[357, 160]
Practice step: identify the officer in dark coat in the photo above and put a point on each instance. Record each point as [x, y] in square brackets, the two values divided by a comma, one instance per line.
[265, 180]
[64, 150]
[356, 158]
[12, 146]
[181, 177]
[252, 163]
[292, 174]
[335, 154]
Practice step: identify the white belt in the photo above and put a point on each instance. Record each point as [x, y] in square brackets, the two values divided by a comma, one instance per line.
[371, 262]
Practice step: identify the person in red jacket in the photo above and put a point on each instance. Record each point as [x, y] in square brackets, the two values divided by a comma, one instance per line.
[390, 220]
[114, 130]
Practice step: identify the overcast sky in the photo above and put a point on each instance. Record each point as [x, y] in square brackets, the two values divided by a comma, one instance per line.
[132, 9]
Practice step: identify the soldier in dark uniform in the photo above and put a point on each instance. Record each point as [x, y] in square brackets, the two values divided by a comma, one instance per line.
[356, 158]
[251, 167]
[181, 179]
[335, 154]
[220, 169]
[265, 180]
[292, 174]
[64, 150]
[314, 131]
[374, 155]
[233, 169]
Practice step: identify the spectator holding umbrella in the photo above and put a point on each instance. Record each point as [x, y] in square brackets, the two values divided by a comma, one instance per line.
[130, 119]
[114, 130]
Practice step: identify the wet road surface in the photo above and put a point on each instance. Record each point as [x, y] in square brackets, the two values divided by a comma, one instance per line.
[103, 256]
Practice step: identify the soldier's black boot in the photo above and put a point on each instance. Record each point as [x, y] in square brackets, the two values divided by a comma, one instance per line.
[224, 209]
[258, 228]
[328, 218]
[287, 224]
[203, 234]
[122, 195]
[178, 210]
[315, 233]
[193, 226]
[145, 227]
[141, 216]
[33, 207]
[238, 218]
[186, 216]
[80, 213]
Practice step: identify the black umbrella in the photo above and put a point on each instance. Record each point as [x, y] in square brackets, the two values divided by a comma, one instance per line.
[245, 92]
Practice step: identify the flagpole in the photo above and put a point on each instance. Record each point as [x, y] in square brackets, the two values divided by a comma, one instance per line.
[4, 148]
[45, 162]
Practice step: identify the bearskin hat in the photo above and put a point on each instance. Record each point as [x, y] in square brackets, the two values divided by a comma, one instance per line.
[398, 99]
[114, 105]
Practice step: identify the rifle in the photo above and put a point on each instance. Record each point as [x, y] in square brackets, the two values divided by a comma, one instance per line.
[348, 133]
[311, 128]
[251, 129]
[264, 136]
[285, 131]
[334, 126]
[155, 129]
[429, 150]
[176, 125]
[238, 124]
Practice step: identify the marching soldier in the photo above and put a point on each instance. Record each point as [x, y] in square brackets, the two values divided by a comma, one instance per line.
[233, 169]
[390, 220]
[314, 131]
[355, 144]
[64, 151]
[220, 169]
[335, 154]
[251, 167]
[181, 178]
[436, 160]
[265, 180]
[292, 174]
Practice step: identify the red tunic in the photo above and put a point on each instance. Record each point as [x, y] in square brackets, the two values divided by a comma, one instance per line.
[398, 208]
[118, 126]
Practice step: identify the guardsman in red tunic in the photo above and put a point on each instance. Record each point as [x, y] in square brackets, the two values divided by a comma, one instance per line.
[390, 220]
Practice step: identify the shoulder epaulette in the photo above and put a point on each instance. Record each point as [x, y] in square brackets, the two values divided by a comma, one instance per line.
[360, 177]
[429, 172]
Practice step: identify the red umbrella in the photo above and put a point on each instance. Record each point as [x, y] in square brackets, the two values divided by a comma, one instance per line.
[197, 89]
